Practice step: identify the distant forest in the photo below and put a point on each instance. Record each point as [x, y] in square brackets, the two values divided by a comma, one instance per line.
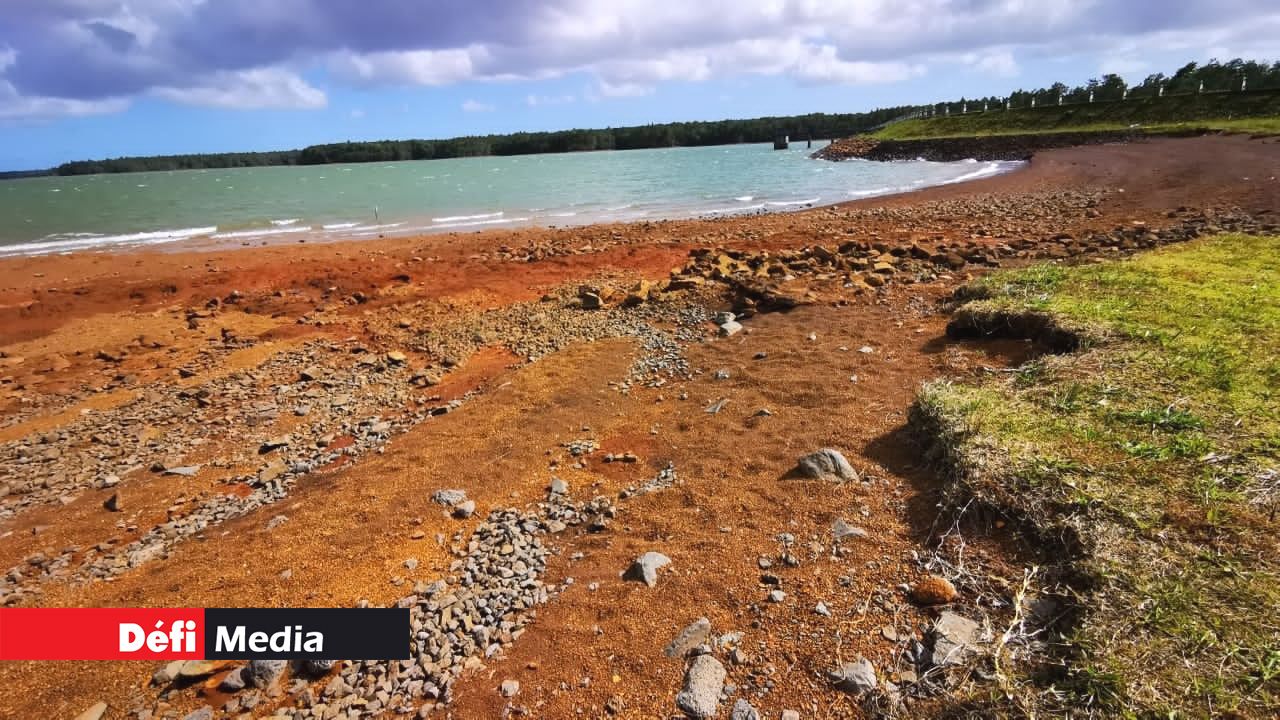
[1210, 77]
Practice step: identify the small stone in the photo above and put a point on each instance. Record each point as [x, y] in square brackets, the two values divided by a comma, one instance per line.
[263, 673]
[692, 636]
[449, 498]
[204, 713]
[464, 509]
[184, 471]
[777, 596]
[703, 682]
[168, 673]
[855, 677]
[395, 357]
[731, 328]
[509, 688]
[821, 609]
[742, 710]
[645, 568]
[614, 705]
[955, 638]
[112, 503]
[559, 487]
[842, 530]
[826, 463]
[934, 590]
[790, 715]
[195, 669]
[233, 682]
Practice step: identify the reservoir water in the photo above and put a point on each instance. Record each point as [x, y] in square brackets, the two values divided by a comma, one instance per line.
[64, 214]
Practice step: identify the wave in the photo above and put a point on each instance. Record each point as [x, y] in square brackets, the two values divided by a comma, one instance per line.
[745, 198]
[872, 191]
[287, 221]
[473, 223]
[738, 209]
[260, 232]
[462, 218]
[83, 243]
[787, 203]
[991, 168]
[562, 214]
[340, 226]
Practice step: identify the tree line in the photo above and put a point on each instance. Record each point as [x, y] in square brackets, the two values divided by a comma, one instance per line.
[1192, 77]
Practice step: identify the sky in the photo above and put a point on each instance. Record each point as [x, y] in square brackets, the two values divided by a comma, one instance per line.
[84, 79]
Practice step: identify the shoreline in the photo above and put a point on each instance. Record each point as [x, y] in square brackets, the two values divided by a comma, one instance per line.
[291, 231]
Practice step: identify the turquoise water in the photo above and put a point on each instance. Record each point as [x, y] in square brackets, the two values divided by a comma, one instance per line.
[63, 214]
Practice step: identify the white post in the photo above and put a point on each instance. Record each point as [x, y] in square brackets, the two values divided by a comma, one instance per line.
[1033, 101]
[1059, 98]
[1124, 94]
[1090, 96]
[1201, 88]
[1244, 81]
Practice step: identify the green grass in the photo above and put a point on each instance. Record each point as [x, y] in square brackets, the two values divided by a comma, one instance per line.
[1149, 456]
[1250, 113]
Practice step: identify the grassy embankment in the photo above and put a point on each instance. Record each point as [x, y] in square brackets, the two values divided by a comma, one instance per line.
[1145, 463]
[1248, 113]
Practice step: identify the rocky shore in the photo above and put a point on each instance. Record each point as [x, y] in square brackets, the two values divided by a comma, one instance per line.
[628, 471]
[992, 147]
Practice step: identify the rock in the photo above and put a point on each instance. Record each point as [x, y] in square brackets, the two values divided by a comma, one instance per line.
[316, 668]
[509, 688]
[842, 530]
[955, 639]
[777, 596]
[822, 609]
[614, 705]
[559, 487]
[112, 503]
[204, 713]
[645, 568]
[449, 498]
[395, 357]
[464, 509]
[168, 673]
[273, 444]
[703, 683]
[934, 590]
[263, 673]
[196, 669]
[695, 634]
[790, 715]
[311, 373]
[826, 463]
[731, 328]
[724, 316]
[233, 682]
[855, 677]
[185, 471]
[95, 712]
[742, 710]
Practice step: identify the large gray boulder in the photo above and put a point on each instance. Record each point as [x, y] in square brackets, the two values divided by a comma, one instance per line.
[263, 673]
[703, 683]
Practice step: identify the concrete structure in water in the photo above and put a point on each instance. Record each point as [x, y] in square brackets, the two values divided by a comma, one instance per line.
[781, 141]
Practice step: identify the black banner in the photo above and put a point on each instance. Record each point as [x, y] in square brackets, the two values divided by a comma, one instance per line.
[306, 633]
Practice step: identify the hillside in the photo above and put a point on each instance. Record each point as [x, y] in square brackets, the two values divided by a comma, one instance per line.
[1254, 111]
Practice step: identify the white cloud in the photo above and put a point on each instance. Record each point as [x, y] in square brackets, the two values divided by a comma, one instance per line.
[356, 114]
[415, 67]
[264, 88]
[24, 107]
[477, 106]
[996, 62]
[542, 100]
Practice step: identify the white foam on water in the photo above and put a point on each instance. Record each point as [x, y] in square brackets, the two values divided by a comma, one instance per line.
[101, 241]
[872, 191]
[745, 198]
[463, 218]
[562, 214]
[787, 203]
[286, 221]
[340, 226]
[473, 223]
[991, 168]
[260, 232]
[741, 208]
